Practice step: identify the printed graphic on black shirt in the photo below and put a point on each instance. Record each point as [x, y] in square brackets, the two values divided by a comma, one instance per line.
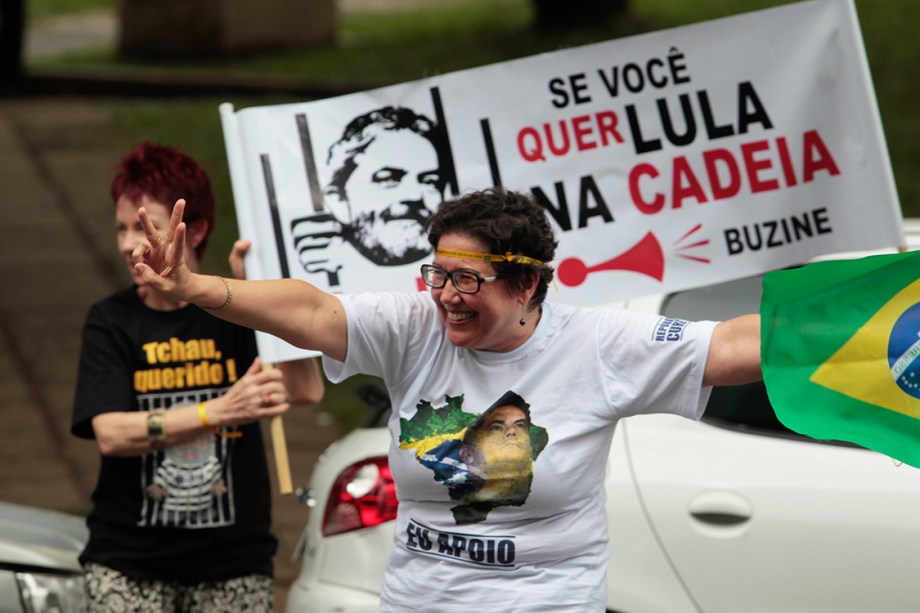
[187, 485]
[485, 460]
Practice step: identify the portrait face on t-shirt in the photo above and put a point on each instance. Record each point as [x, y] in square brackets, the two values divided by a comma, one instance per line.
[500, 447]
[485, 460]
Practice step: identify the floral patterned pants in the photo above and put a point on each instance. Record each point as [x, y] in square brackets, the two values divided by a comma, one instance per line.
[109, 591]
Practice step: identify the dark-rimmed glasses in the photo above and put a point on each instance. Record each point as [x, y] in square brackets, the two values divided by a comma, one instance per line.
[465, 281]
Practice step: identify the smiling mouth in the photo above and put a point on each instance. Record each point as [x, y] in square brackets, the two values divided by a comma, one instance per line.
[453, 316]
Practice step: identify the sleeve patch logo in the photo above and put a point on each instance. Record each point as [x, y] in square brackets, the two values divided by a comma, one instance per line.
[669, 330]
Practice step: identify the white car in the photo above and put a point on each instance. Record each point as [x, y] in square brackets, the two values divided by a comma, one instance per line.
[39, 569]
[732, 514]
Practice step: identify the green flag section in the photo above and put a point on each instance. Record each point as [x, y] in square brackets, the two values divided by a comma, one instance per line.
[841, 351]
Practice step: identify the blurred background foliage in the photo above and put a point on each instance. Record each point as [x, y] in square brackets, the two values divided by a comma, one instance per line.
[426, 38]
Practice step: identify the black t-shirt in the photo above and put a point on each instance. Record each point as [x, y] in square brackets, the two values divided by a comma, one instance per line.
[193, 512]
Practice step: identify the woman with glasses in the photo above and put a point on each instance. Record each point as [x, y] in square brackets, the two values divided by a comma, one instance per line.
[483, 352]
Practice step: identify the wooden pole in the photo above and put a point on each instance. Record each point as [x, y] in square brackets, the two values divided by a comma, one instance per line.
[282, 466]
[279, 445]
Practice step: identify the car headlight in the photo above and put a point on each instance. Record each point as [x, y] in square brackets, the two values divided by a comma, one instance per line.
[51, 593]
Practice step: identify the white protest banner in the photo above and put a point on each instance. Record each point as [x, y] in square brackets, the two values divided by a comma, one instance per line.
[666, 161]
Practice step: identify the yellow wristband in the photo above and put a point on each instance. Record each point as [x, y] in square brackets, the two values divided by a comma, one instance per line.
[203, 415]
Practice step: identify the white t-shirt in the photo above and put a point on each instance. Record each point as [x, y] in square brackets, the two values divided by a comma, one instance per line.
[529, 534]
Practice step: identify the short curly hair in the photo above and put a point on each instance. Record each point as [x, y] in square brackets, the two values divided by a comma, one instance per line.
[504, 221]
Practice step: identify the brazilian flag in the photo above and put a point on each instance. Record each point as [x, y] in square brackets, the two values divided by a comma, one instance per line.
[841, 351]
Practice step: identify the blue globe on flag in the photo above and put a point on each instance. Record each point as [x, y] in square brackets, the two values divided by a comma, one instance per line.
[904, 351]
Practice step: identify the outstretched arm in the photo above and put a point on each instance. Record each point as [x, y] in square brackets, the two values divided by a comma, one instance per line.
[303, 380]
[734, 352]
[293, 310]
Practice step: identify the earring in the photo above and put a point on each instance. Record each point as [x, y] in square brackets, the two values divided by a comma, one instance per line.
[523, 322]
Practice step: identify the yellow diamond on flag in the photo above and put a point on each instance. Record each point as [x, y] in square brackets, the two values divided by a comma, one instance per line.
[862, 368]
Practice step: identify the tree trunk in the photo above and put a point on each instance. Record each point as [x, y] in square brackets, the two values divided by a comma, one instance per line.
[12, 25]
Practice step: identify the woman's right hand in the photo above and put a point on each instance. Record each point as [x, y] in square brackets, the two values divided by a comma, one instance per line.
[160, 262]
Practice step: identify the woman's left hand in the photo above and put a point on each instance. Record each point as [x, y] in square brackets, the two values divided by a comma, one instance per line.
[237, 254]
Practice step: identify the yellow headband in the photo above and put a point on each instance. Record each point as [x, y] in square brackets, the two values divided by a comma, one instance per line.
[490, 257]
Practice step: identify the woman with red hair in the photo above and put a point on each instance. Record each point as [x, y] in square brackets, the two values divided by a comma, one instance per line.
[173, 397]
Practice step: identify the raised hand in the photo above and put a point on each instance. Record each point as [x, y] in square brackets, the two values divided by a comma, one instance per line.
[237, 257]
[160, 262]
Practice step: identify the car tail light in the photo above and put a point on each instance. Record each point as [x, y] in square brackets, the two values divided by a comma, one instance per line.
[363, 496]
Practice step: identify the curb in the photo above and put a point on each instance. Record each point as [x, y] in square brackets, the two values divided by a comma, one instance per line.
[165, 84]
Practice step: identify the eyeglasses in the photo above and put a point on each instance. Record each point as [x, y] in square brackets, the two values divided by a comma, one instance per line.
[465, 281]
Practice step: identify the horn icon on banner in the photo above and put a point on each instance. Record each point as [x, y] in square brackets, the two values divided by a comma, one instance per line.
[645, 258]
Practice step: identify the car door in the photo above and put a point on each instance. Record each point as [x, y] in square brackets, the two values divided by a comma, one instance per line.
[753, 522]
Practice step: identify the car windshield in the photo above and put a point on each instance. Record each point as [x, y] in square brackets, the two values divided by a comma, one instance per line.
[743, 407]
